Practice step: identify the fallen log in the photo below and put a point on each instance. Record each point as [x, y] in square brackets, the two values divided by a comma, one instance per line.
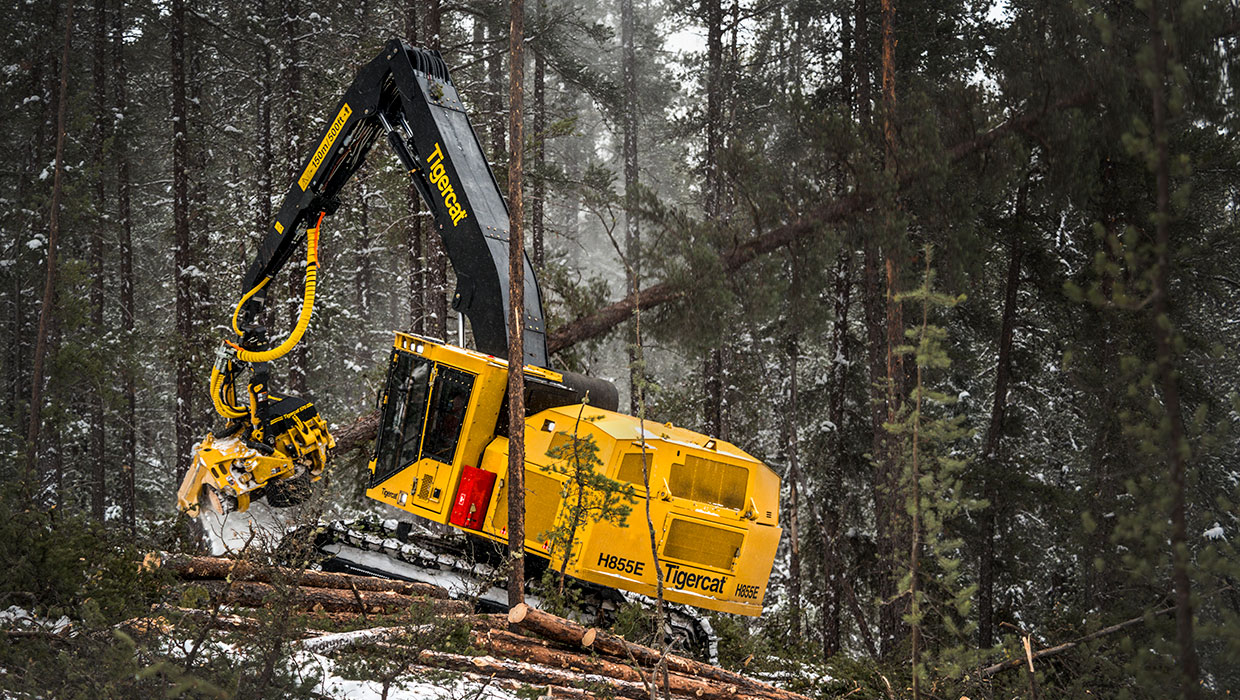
[514, 646]
[551, 626]
[188, 567]
[532, 674]
[256, 595]
[569, 632]
[338, 641]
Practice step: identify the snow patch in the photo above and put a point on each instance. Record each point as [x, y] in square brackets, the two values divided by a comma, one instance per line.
[21, 618]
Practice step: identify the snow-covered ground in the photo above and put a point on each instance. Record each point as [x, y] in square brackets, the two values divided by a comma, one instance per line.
[260, 527]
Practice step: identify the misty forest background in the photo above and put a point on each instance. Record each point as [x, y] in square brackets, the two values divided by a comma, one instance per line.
[966, 274]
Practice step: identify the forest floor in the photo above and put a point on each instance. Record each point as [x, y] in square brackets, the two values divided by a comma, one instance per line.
[358, 636]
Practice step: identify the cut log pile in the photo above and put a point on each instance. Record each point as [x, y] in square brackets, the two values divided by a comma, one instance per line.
[527, 647]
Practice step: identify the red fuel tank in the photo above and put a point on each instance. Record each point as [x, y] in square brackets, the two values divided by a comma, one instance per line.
[473, 496]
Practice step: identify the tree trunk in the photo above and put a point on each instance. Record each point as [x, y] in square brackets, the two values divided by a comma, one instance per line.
[632, 233]
[129, 416]
[715, 394]
[516, 647]
[433, 25]
[266, 152]
[97, 458]
[436, 260]
[181, 245]
[49, 280]
[794, 478]
[252, 594]
[840, 354]
[994, 433]
[516, 308]
[293, 108]
[893, 610]
[538, 198]
[1177, 447]
[495, 83]
[208, 568]
[416, 232]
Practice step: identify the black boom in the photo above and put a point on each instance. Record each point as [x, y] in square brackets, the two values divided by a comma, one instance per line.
[407, 95]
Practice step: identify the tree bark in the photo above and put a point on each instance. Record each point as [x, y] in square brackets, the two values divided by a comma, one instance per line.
[495, 80]
[436, 259]
[47, 310]
[266, 154]
[893, 610]
[516, 307]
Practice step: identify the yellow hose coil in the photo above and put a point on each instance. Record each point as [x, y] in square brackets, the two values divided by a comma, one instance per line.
[307, 305]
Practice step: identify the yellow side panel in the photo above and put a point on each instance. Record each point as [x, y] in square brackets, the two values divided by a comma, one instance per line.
[542, 503]
[701, 479]
[631, 468]
[698, 543]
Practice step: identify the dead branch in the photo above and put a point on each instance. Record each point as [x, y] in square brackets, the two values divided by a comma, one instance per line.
[1059, 649]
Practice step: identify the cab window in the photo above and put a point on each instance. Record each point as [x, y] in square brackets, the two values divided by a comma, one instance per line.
[449, 402]
[407, 384]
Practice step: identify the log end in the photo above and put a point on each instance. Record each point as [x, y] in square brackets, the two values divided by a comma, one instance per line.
[587, 639]
[518, 613]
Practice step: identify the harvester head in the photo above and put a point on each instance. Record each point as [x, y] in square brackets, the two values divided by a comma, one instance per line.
[280, 458]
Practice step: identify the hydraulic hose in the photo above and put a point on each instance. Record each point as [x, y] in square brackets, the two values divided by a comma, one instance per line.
[307, 304]
[217, 387]
[244, 299]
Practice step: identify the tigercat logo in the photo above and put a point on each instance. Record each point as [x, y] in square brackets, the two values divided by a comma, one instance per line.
[439, 178]
[313, 166]
[682, 580]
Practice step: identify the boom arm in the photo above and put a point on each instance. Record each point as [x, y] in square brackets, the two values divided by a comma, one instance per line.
[406, 94]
